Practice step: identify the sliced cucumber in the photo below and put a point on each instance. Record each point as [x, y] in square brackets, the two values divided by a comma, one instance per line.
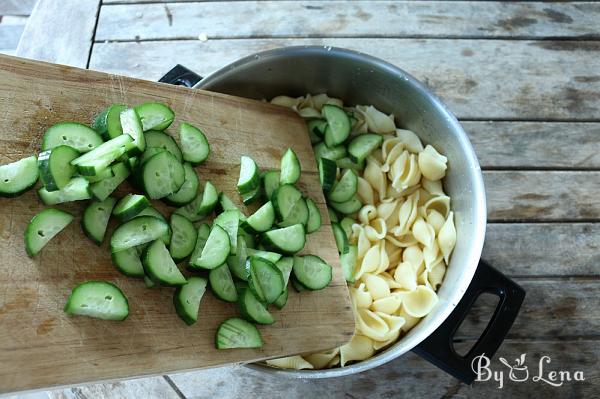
[132, 126]
[150, 211]
[73, 134]
[159, 265]
[138, 231]
[108, 122]
[341, 240]
[314, 139]
[148, 282]
[347, 208]
[345, 188]
[348, 262]
[221, 283]
[261, 220]
[333, 217]
[98, 299]
[298, 286]
[237, 333]
[317, 127]
[225, 203]
[183, 239]
[338, 125]
[237, 262]
[162, 175]
[285, 265]
[312, 272]
[282, 300]
[334, 153]
[105, 174]
[202, 205]
[252, 309]
[194, 145]
[18, 177]
[361, 146]
[259, 253]
[270, 182]
[230, 221]
[290, 168]
[202, 236]
[130, 206]
[55, 166]
[102, 189]
[149, 152]
[298, 214]
[75, 190]
[284, 199]
[346, 225]
[128, 262]
[187, 192]
[97, 160]
[347, 163]
[287, 240]
[314, 217]
[249, 179]
[95, 219]
[264, 279]
[43, 227]
[187, 299]
[155, 116]
[215, 250]
[327, 172]
[156, 139]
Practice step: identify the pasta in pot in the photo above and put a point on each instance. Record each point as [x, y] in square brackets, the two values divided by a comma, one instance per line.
[404, 234]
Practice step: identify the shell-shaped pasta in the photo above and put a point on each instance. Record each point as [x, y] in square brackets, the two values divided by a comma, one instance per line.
[410, 140]
[414, 256]
[406, 276]
[361, 298]
[391, 149]
[378, 155]
[409, 321]
[286, 101]
[432, 163]
[403, 241]
[394, 322]
[367, 213]
[375, 176]
[433, 187]
[335, 101]
[359, 348]
[322, 359]
[447, 237]
[407, 214]
[432, 255]
[290, 362]
[371, 324]
[394, 253]
[440, 204]
[370, 262]
[435, 220]
[360, 238]
[319, 100]
[309, 112]
[423, 232]
[365, 192]
[305, 102]
[388, 305]
[436, 275]
[419, 302]
[377, 121]
[376, 231]
[405, 172]
[334, 362]
[377, 345]
[386, 208]
[376, 286]
[393, 284]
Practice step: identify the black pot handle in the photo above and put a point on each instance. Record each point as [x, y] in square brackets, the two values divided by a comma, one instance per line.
[181, 76]
[438, 347]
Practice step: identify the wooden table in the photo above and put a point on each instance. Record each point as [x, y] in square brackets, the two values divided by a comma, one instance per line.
[524, 79]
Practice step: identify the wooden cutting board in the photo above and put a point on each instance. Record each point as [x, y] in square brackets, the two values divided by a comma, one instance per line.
[39, 345]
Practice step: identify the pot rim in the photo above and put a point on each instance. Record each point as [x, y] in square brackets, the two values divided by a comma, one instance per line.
[410, 340]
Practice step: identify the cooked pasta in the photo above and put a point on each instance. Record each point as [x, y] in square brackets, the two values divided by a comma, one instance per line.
[404, 234]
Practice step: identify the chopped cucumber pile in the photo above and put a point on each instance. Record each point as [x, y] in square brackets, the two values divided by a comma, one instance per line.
[245, 259]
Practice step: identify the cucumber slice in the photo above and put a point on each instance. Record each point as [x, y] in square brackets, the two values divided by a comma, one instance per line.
[338, 125]
[221, 283]
[287, 240]
[108, 122]
[298, 214]
[95, 219]
[348, 262]
[327, 172]
[138, 231]
[264, 279]
[270, 182]
[341, 240]
[95, 161]
[105, 174]
[284, 199]
[187, 192]
[333, 153]
[55, 167]
[246, 237]
[282, 300]
[298, 287]
[252, 309]
[237, 333]
[149, 152]
[361, 146]
[187, 299]
[194, 145]
[259, 253]
[225, 203]
[155, 116]
[346, 225]
[159, 265]
[202, 236]
[285, 265]
[345, 188]
[230, 221]
[183, 239]
[252, 196]
[72, 134]
[333, 217]
[348, 207]
[151, 211]
[347, 163]
[317, 127]
[314, 217]
[102, 189]
[202, 205]
[132, 126]
[290, 168]
[148, 282]
[43, 227]
[249, 179]
[128, 262]
[156, 139]
[162, 175]
[312, 272]
[261, 220]
[314, 139]
[18, 177]
[75, 190]
[215, 250]
[98, 299]
[237, 262]
[130, 206]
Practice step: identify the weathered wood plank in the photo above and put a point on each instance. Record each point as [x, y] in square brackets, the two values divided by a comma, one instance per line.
[46, 37]
[527, 249]
[409, 376]
[9, 36]
[513, 84]
[16, 7]
[347, 19]
[535, 144]
[153, 387]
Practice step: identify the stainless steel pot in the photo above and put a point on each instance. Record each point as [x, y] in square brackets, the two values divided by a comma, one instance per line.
[361, 79]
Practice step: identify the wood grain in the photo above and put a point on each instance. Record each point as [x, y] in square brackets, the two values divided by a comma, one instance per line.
[478, 79]
[346, 19]
[40, 345]
[70, 25]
